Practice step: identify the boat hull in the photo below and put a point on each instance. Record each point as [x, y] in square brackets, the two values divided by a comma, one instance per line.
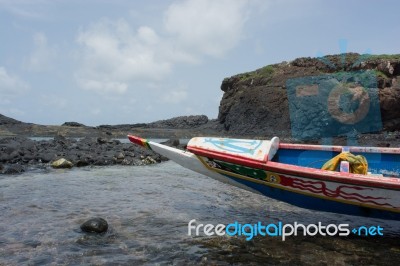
[316, 203]
[319, 190]
[317, 195]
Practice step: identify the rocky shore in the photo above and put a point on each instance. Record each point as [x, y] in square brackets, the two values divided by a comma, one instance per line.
[19, 153]
[177, 127]
[255, 104]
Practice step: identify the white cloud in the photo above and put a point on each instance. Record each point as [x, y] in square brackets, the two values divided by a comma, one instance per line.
[95, 111]
[11, 85]
[207, 26]
[102, 86]
[147, 35]
[175, 96]
[42, 56]
[115, 57]
[56, 101]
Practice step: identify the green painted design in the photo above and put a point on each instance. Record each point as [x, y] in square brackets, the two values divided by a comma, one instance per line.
[146, 144]
[243, 170]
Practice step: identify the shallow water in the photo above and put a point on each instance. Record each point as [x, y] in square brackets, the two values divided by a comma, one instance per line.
[148, 209]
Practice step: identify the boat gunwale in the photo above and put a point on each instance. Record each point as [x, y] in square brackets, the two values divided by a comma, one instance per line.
[292, 146]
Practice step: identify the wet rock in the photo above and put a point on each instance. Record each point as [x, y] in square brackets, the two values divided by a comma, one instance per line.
[95, 225]
[28, 144]
[102, 140]
[47, 157]
[119, 157]
[127, 161]
[13, 169]
[130, 154]
[86, 151]
[171, 142]
[82, 163]
[28, 156]
[101, 161]
[14, 155]
[62, 163]
[148, 160]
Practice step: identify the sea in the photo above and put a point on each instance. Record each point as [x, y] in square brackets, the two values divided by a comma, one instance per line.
[148, 209]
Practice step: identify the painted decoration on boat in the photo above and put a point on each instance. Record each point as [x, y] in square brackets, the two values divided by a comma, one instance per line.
[353, 194]
[247, 146]
[259, 150]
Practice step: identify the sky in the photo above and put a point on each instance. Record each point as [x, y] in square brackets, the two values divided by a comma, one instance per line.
[124, 61]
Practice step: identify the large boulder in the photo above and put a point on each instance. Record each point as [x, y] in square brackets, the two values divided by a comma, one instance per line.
[95, 225]
[62, 163]
[258, 103]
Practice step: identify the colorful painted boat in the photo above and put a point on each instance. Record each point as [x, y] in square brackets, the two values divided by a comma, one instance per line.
[292, 173]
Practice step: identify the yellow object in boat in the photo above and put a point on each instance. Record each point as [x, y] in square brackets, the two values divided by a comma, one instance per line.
[358, 163]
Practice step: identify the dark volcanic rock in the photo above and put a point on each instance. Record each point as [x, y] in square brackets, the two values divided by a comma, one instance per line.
[171, 142]
[73, 124]
[86, 151]
[13, 169]
[181, 122]
[175, 143]
[256, 103]
[81, 163]
[95, 225]
[102, 140]
[4, 120]
[47, 156]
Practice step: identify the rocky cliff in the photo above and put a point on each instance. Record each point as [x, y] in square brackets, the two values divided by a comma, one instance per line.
[256, 103]
[4, 120]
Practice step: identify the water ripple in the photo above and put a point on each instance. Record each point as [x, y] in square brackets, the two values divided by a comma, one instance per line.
[148, 209]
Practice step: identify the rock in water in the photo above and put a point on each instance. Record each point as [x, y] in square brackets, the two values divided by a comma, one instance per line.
[62, 163]
[95, 225]
[13, 169]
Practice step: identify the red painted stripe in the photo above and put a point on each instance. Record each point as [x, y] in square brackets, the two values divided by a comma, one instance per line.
[137, 140]
[230, 158]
